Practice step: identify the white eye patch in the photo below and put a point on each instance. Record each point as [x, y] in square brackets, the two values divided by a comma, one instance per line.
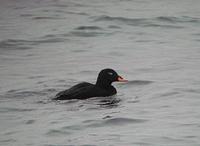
[110, 73]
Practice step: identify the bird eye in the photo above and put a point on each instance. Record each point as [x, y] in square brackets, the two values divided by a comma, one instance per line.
[110, 73]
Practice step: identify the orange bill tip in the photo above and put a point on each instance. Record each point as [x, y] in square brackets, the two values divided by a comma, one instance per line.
[120, 79]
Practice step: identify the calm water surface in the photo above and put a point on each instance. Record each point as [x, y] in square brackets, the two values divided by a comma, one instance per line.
[49, 45]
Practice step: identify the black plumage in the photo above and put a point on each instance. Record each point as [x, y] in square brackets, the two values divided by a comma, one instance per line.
[84, 90]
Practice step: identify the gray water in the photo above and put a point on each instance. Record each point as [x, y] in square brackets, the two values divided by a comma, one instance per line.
[47, 46]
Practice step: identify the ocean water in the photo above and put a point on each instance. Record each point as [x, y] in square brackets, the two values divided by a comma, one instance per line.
[47, 46]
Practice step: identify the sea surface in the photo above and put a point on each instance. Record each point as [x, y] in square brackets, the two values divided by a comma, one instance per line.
[47, 46]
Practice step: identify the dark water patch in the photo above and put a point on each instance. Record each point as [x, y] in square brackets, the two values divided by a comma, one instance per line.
[109, 103]
[61, 81]
[55, 132]
[87, 145]
[181, 19]
[23, 94]
[142, 144]
[14, 91]
[57, 145]
[191, 124]
[36, 77]
[196, 34]
[107, 117]
[69, 145]
[164, 26]
[73, 127]
[47, 18]
[169, 19]
[15, 44]
[11, 109]
[48, 40]
[71, 101]
[172, 93]
[95, 103]
[113, 122]
[21, 44]
[116, 53]
[26, 15]
[79, 51]
[171, 139]
[88, 28]
[121, 19]
[30, 122]
[44, 101]
[134, 101]
[88, 33]
[190, 136]
[161, 21]
[144, 41]
[128, 21]
[139, 82]
[8, 141]
[77, 13]
[19, 7]
[60, 5]
[114, 27]
[10, 133]
[102, 102]
[198, 40]
[49, 90]
[87, 72]
[189, 90]
[123, 121]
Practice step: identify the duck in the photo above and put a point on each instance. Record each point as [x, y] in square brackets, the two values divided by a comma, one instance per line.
[102, 88]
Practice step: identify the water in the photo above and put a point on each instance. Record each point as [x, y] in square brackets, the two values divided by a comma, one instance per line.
[48, 46]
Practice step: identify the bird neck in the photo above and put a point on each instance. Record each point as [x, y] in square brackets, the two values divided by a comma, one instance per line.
[103, 83]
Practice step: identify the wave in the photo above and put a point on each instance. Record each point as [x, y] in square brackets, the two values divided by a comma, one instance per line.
[118, 121]
[88, 33]
[46, 18]
[22, 93]
[109, 121]
[88, 28]
[10, 109]
[160, 21]
[28, 44]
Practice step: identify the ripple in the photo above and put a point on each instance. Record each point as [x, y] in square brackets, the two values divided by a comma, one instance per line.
[8, 140]
[46, 18]
[68, 145]
[189, 90]
[30, 122]
[22, 94]
[139, 82]
[77, 13]
[164, 26]
[102, 102]
[36, 77]
[113, 122]
[114, 27]
[11, 109]
[170, 93]
[22, 44]
[169, 19]
[54, 132]
[15, 44]
[129, 21]
[88, 28]
[73, 127]
[160, 21]
[182, 19]
[123, 121]
[88, 33]
[171, 139]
